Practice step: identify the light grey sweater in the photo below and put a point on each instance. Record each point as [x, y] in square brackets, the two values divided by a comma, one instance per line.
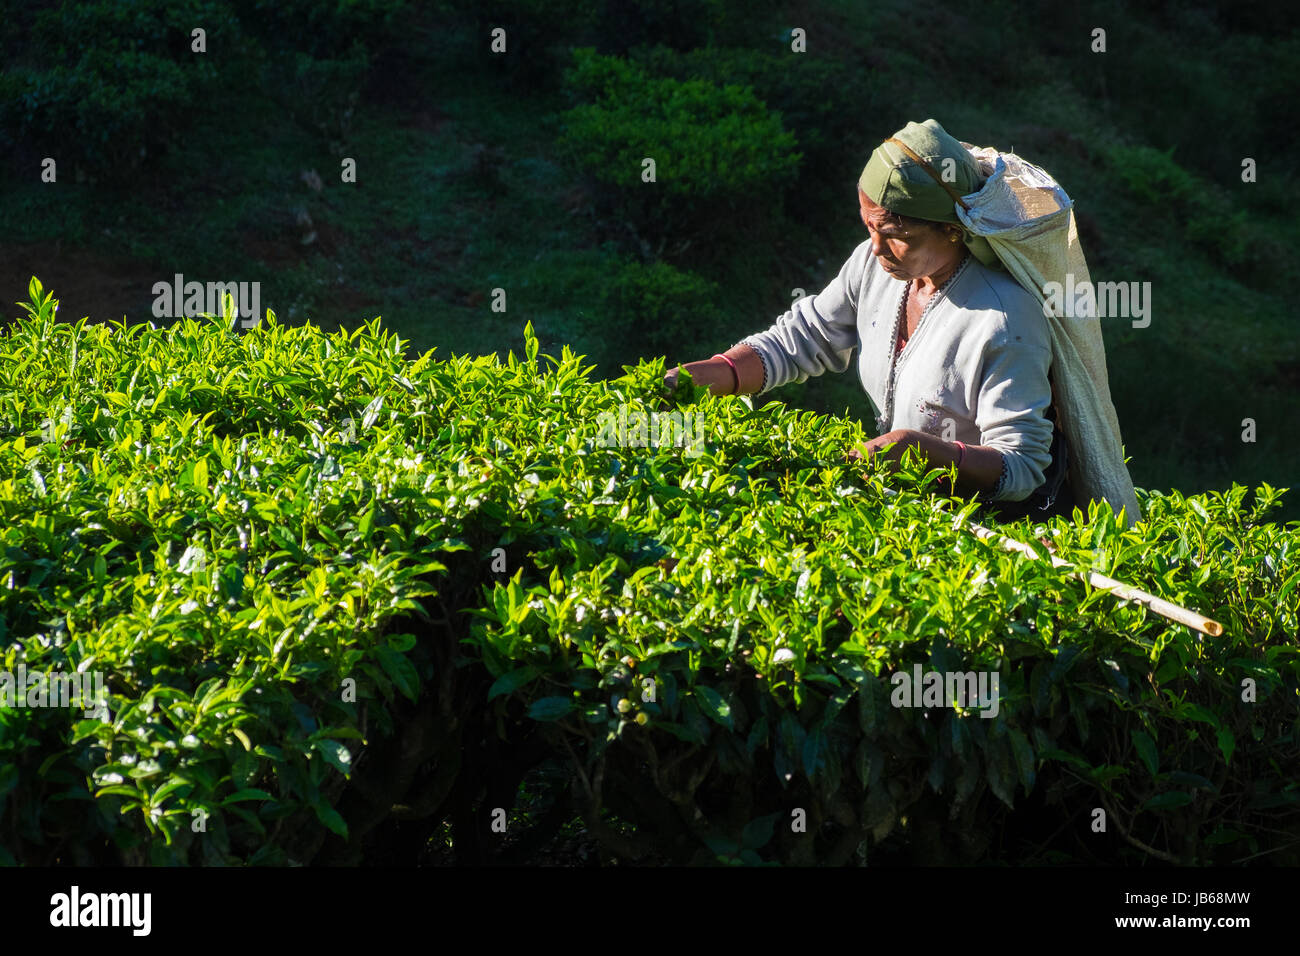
[979, 358]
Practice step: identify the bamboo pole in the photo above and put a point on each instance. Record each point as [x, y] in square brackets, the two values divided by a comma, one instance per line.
[1166, 609]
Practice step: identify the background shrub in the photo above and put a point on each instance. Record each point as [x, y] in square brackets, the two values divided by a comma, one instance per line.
[116, 82]
[719, 152]
[822, 101]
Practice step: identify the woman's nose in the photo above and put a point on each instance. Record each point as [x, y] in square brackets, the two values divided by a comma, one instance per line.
[876, 245]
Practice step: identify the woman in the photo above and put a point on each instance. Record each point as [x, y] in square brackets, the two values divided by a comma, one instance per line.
[954, 354]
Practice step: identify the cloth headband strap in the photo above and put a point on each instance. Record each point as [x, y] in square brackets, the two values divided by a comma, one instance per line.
[914, 157]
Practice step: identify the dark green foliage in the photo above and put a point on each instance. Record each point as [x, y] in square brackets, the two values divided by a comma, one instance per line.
[320, 94]
[1208, 218]
[709, 141]
[719, 153]
[114, 82]
[682, 24]
[651, 309]
[538, 35]
[231, 526]
[824, 102]
[323, 29]
[109, 85]
[1153, 175]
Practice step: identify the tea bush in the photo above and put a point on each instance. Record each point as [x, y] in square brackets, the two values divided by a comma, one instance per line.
[345, 601]
[719, 153]
[115, 82]
[821, 100]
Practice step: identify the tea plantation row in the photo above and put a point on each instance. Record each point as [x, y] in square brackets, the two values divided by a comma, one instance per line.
[348, 605]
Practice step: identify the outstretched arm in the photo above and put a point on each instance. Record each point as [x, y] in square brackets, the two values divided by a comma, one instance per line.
[817, 334]
[718, 376]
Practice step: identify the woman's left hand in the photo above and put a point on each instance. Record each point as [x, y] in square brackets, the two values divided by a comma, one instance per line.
[861, 452]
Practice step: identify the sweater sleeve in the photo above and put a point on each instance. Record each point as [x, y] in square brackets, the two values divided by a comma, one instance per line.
[817, 335]
[1014, 395]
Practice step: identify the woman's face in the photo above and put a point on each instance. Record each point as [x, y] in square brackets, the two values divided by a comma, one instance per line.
[906, 251]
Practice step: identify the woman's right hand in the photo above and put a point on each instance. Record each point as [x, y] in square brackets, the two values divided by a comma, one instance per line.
[714, 374]
[717, 376]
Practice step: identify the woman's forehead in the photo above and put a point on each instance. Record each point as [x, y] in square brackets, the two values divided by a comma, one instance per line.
[873, 210]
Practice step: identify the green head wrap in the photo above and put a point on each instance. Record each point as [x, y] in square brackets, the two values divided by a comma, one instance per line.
[895, 180]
